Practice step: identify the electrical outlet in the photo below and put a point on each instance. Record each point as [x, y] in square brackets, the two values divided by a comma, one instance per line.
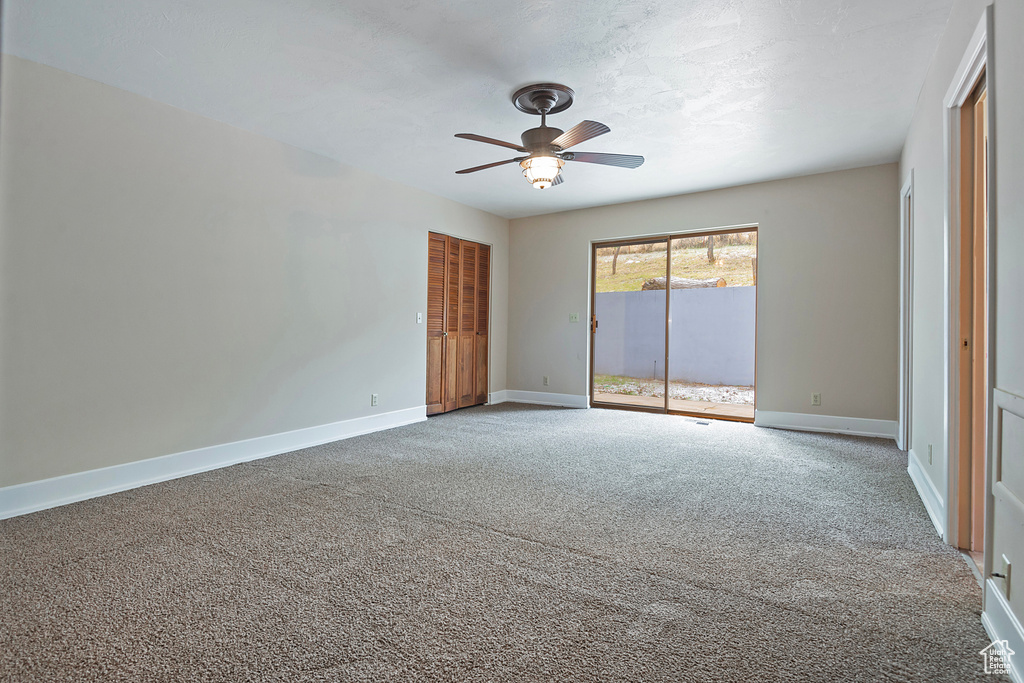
[574, 317]
[1006, 574]
[419, 317]
[546, 381]
[929, 454]
[815, 399]
[373, 399]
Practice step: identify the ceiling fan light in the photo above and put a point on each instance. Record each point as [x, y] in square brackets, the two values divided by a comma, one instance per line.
[541, 171]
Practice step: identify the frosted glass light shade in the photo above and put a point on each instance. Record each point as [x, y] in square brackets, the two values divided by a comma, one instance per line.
[541, 171]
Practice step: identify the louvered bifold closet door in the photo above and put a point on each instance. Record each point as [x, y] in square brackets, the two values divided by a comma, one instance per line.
[453, 288]
[458, 298]
[483, 285]
[467, 327]
[437, 248]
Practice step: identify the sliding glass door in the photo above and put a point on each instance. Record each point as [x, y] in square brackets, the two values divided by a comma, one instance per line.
[628, 313]
[673, 324]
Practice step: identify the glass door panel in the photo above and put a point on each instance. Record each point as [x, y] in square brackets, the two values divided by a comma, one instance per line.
[628, 324]
[711, 324]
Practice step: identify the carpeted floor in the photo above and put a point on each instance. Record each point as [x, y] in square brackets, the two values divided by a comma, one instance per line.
[504, 543]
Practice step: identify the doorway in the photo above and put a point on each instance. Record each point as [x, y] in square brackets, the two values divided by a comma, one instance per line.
[673, 324]
[972, 318]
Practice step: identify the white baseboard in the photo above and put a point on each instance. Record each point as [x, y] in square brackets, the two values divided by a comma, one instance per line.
[497, 397]
[33, 496]
[545, 399]
[1002, 624]
[933, 501]
[808, 422]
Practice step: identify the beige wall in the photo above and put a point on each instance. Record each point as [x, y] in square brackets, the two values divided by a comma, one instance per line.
[168, 282]
[1008, 513]
[924, 155]
[827, 287]
[1009, 109]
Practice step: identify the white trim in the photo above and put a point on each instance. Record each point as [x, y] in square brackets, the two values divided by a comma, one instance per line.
[543, 398]
[971, 66]
[995, 401]
[809, 422]
[926, 490]
[906, 333]
[33, 496]
[496, 397]
[1001, 624]
[967, 74]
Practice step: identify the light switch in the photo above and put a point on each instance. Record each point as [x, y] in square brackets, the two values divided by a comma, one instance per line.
[419, 317]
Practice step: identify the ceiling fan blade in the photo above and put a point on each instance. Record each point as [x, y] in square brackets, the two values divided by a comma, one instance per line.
[490, 141]
[581, 132]
[559, 179]
[496, 163]
[621, 160]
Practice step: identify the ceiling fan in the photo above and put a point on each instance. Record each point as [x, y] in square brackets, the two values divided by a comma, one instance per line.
[546, 147]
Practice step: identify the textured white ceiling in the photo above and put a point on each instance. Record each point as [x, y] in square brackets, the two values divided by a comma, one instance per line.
[713, 93]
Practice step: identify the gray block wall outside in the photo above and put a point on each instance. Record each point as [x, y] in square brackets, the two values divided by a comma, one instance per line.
[712, 335]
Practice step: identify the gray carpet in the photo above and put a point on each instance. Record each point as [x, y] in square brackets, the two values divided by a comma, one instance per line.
[506, 543]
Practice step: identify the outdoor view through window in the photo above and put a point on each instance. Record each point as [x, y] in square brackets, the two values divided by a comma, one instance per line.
[701, 329]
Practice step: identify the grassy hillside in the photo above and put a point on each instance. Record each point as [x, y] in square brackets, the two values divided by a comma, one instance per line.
[688, 261]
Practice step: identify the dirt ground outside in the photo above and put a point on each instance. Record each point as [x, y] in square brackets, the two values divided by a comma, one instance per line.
[689, 391]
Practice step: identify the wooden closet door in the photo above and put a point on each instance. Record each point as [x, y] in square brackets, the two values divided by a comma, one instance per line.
[458, 298]
[467, 327]
[483, 285]
[437, 248]
[453, 286]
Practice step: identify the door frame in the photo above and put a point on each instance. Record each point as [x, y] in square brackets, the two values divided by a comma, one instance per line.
[906, 387]
[975, 63]
[647, 239]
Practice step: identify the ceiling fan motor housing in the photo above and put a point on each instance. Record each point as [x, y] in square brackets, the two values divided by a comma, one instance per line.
[539, 139]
